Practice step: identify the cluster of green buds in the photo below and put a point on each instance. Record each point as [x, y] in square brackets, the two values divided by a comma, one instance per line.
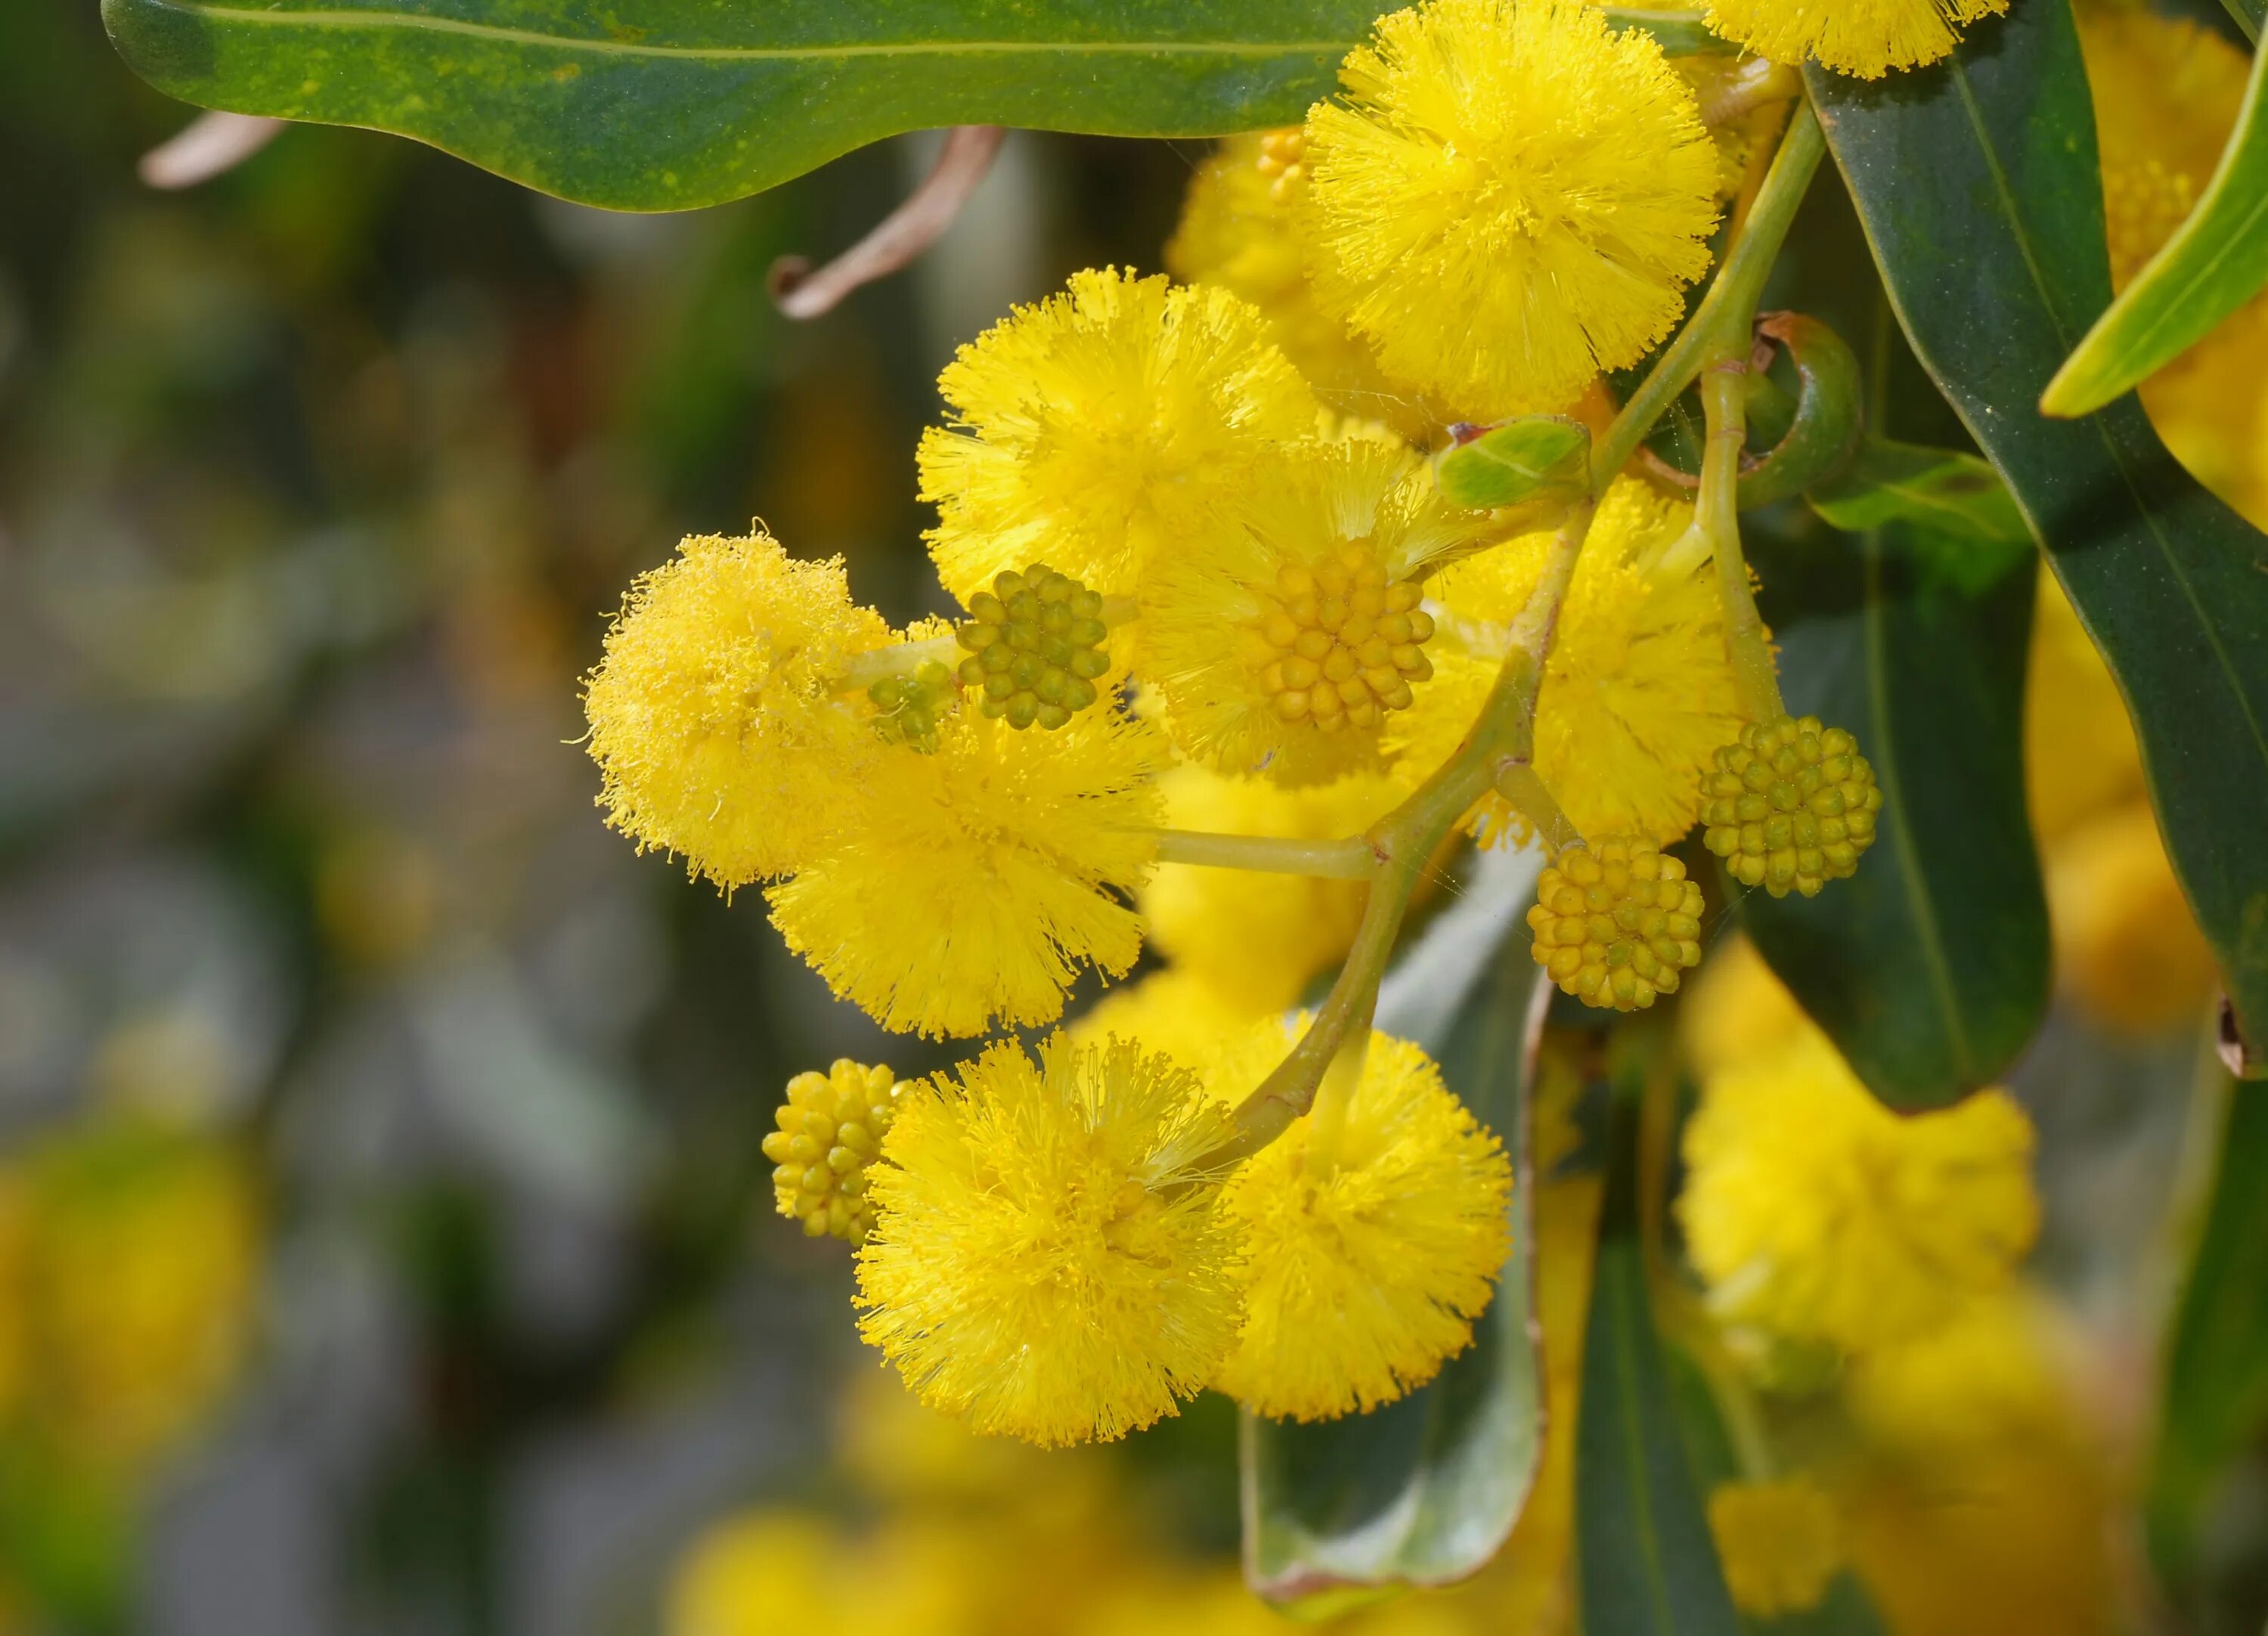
[830, 1129]
[1616, 924]
[1791, 805]
[1035, 646]
[907, 709]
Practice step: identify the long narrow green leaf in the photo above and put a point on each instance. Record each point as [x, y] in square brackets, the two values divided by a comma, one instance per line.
[665, 105]
[1646, 1564]
[1423, 1491]
[1977, 182]
[2215, 263]
[2215, 1399]
[1929, 967]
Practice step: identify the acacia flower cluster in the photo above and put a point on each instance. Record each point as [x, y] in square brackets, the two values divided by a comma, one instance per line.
[1218, 617]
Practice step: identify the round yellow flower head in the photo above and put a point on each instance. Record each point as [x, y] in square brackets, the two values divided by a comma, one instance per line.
[1511, 169]
[1816, 1214]
[2127, 945]
[1791, 805]
[129, 1255]
[1780, 1544]
[1736, 1010]
[830, 1128]
[1282, 644]
[1637, 697]
[1363, 1268]
[713, 719]
[2081, 756]
[971, 884]
[1179, 1013]
[1241, 230]
[1045, 1262]
[1258, 938]
[1616, 925]
[1035, 647]
[1094, 428]
[1867, 38]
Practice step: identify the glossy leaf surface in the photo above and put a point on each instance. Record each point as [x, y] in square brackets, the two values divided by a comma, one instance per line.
[665, 105]
[1977, 183]
[2216, 261]
[1930, 966]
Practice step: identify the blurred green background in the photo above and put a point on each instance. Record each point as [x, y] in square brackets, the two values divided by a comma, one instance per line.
[380, 1133]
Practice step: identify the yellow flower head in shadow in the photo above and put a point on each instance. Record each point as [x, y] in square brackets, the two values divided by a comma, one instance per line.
[1512, 170]
[1044, 1263]
[1867, 38]
[971, 884]
[1362, 1267]
[1816, 1214]
[1101, 425]
[713, 716]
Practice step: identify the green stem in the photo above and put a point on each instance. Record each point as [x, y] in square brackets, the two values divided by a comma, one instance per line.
[1747, 260]
[1501, 741]
[1724, 402]
[1350, 858]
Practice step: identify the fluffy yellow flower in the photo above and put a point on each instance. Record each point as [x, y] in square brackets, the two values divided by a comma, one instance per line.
[1636, 693]
[713, 716]
[971, 884]
[1094, 428]
[2081, 756]
[1282, 643]
[1816, 1214]
[1779, 1543]
[1867, 38]
[1737, 1010]
[1241, 230]
[1177, 1013]
[1044, 1262]
[128, 1252]
[1258, 938]
[1511, 199]
[1363, 1269]
[2126, 944]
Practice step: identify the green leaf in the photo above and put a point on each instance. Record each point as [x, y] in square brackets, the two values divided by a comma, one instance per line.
[1930, 967]
[1952, 494]
[2215, 263]
[1646, 1564]
[2247, 15]
[2213, 1403]
[1425, 1491]
[665, 105]
[1516, 461]
[1822, 432]
[1978, 184]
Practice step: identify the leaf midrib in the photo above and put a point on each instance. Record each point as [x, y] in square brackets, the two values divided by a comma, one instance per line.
[2118, 458]
[498, 34]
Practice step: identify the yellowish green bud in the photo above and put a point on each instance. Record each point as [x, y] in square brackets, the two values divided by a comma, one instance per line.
[831, 1129]
[1790, 805]
[1618, 924]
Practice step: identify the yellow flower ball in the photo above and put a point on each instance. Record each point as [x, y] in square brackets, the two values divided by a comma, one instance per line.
[1780, 1541]
[1737, 1010]
[1512, 170]
[1258, 938]
[1816, 1214]
[1362, 1267]
[713, 714]
[971, 885]
[1282, 645]
[1637, 694]
[2081, 755]
[2127, 946]
[1241, 230]
[1100, 425]
[1866, 38]
[1179, 1013]
[1044, 1262]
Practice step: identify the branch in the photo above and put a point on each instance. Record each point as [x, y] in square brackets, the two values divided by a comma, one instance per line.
[900, 237]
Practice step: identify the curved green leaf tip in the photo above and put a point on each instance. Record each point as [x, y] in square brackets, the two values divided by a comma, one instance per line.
[2215, 263]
